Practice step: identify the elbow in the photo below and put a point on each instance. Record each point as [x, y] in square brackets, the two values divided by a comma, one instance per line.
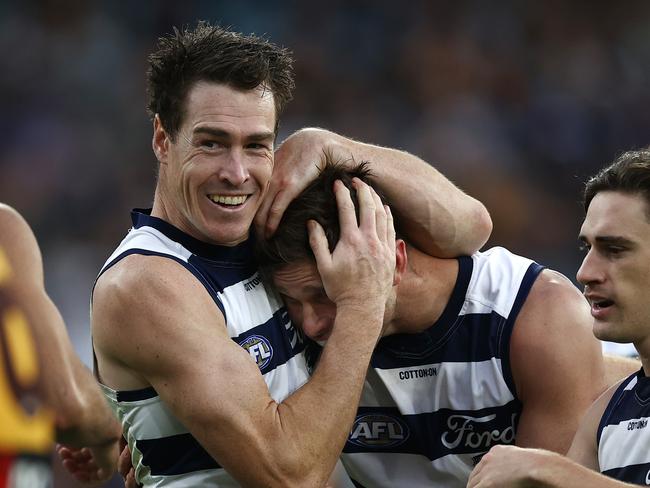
[70, 409]
[292, 469]
[70, 423]
[480, 229]
[85, 424]
[484, 225]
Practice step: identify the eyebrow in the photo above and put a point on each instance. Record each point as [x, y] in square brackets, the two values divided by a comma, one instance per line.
[308, 289]
[257, 136]
[618, 240]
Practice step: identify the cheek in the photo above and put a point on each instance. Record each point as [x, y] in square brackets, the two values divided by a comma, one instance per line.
[295, 314]
[631, 286]
[262, 170]
[326, 314]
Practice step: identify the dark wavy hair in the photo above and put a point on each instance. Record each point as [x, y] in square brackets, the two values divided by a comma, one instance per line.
[290, 242]
[214, 54]
[629, 173]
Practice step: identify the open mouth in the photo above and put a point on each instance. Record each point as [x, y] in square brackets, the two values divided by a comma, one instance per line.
[228, 201]
[601, 304]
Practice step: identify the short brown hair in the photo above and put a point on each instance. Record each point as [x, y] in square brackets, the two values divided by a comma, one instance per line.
[214, 54]
[290, 242]
[629, 173]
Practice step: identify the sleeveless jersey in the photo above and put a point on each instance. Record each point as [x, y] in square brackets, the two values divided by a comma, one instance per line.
[624, 433]
[26, 427]
[434, 402]
[164, 453]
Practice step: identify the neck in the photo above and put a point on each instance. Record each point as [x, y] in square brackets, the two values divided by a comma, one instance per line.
[423, 293]
[159, 209]
[645, 362]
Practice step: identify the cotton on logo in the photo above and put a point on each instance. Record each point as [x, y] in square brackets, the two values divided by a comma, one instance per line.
[260, 350]
[378, 431]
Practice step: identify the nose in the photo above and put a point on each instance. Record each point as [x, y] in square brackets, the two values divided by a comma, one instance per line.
[314, 325]
[589, 271]
[234, 169]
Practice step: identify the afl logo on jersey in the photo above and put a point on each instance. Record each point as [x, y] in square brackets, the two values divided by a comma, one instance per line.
[260, 350]
[377, 430]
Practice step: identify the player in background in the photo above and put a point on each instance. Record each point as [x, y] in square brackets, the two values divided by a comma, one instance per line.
[611, 447]
[46, 393]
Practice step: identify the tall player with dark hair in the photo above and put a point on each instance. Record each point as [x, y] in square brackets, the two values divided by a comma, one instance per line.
[46, 393]
[614, 436]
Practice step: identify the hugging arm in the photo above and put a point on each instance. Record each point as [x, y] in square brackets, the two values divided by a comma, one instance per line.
[434, 214]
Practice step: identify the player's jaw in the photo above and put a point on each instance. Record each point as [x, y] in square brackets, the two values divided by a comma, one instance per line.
[611, 317]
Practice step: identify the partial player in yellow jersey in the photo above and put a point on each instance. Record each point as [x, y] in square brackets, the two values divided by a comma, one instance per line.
[46, 393]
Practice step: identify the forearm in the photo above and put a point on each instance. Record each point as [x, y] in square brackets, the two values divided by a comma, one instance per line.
[315, 421]
[561, 472]
[88, 420]
[82, 415]
[510, 467]
[434, 214]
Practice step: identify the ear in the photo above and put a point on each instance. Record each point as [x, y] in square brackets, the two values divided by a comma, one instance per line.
[160, 142]
[401, 260]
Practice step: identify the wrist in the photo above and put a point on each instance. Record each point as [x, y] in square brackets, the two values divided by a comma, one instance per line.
[361, 306]
[106, 443]
[547, 467]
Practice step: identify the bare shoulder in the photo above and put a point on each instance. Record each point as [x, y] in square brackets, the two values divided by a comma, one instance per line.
[152, 301]
[553, 305]
[16, 233]
[584, 448]
[10, 216]
[552, 284]
[18, 243]
[553, 332]
[597, 408]
[619, 367]
[138, 277]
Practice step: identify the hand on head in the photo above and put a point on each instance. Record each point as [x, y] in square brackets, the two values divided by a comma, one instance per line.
[298, 161]
[360, 268]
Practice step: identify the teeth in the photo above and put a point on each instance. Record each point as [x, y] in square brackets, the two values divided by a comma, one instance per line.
[228, 200]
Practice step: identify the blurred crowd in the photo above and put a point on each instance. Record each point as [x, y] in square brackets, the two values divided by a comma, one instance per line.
[516, 101]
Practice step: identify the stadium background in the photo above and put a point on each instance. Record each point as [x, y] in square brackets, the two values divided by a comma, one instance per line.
[516, 101]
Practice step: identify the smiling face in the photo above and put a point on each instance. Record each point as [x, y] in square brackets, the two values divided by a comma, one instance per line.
[616, 269]
[214, 173]
[309, 307]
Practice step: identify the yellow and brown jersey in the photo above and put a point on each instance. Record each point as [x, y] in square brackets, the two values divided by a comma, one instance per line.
[27, 428]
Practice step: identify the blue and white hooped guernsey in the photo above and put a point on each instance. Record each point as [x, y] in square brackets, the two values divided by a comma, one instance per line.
[433, 403]
[624, 433]
[164, 453]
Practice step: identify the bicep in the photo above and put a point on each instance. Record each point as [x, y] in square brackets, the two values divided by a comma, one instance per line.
[174, 336]
[213, 386]
[557, 365]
